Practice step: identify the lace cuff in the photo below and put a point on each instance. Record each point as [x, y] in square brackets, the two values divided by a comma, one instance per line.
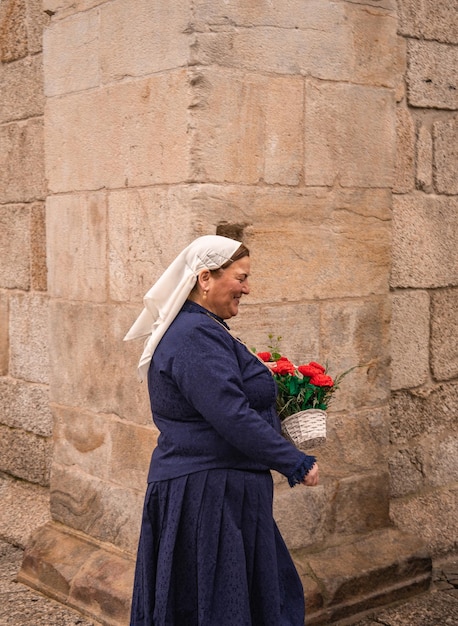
[301, 471]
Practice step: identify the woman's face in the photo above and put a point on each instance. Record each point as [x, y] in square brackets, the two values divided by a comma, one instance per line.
[224, 289]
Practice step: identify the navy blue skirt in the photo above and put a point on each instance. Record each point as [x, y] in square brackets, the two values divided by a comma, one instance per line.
[210, 554]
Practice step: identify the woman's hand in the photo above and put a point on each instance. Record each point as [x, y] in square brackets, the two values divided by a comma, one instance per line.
[311, 479]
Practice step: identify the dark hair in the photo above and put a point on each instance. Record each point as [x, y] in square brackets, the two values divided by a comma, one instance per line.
[241, 252]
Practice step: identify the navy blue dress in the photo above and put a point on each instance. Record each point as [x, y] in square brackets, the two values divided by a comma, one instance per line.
[210, 553]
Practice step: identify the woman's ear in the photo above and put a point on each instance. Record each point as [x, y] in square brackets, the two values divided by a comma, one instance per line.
[203, 279]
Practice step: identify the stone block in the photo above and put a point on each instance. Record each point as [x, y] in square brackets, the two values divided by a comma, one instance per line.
[444, 334]
[425, 231]
[22, 162]
[26, 405]
[38, 267]
[406, 467]
[349, 135]
[409, 339]
[157, 39]
[441, 467]
[429, 19]
[120, 135]
[100, 509]
[60, 9]
[362, 503]
[423, 411]
[14, 247]
[71, 54]
[25, 455]
[29, 325]
[424, 175]
[25, 508]
[36, 20]
[357, 333]
[298, 325]
[143, 237]
[21, 86]
[301, 514]
[404, 180]
[430, 516]
[86, 350]
[4, 333]
[131, 449]
[247, 127]
[13, 30]
[445, 156]
[76, 235]
[322, 241]
[432, 75]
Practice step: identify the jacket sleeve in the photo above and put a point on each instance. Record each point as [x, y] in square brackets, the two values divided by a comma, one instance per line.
[207, 372]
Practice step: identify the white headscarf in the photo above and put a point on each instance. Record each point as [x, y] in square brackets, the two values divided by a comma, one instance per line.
[166, 297]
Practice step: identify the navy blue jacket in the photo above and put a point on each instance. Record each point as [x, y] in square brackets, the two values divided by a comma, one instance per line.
[213, 402]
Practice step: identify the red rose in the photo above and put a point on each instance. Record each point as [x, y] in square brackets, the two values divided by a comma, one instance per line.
[318, 366]
[309, 370]
[283, 367]
[265, 356]
[321, 380]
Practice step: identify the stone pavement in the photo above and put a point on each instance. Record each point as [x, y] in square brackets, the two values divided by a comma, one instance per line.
[21, 606]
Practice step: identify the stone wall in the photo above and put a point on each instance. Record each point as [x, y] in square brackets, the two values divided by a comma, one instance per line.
[273, 121]
[424, 278]
[26, 421]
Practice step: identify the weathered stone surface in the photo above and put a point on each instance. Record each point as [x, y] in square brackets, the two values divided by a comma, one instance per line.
[13, 30]
[36, 20]
[423, 411]
[29, 325]
[445, 156]
[100, 509]
[406, 467]
[441, 467]
[86, 350]
[424, 159]
[21, 86]
[444, 334]
[147, 228]
[425, 231]
[79, 67]
[22, 162]
[137, 141]
[410, 323]
[14, 247]
[357, 333]
[142, 46]
[4, 334]
[76, 234]
[26, 405]
[25, 455]
[404, 180]
[103, 446]
[302, 514]
[430, 516]
[361, 503]
[324, 40]
[345, 125]
[429, 19]
[247, 127]
[25, 507]
[38, 268]
[432, 75]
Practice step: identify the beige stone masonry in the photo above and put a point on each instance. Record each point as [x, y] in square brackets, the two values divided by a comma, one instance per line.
[410, 339]
[22, 161]
[445, 136]
[15, 246]
[137, 140]
[444, 334]
[404, 180]
[345, 125]
[38, 267]
[432, 75]
[4, 334]
[26, 405]
[76, 228]
[25, 455]
[21, 89]
[429, 19]
[424, 228]
[424, 175]
[13, 30]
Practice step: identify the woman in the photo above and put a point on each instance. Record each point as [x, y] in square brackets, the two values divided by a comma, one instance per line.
[209, 551]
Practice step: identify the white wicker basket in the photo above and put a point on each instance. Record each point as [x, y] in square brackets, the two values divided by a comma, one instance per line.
[306, 429]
